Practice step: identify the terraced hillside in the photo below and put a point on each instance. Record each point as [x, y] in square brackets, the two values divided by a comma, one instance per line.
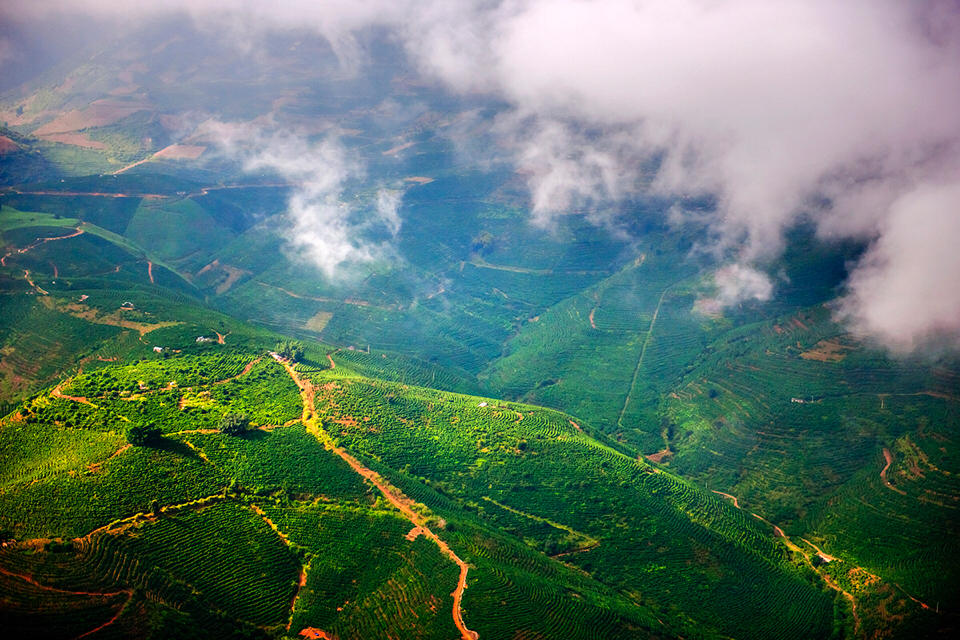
[497, 426]
[558, 533]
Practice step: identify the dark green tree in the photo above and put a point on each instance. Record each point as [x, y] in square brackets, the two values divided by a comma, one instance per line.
[234, 424]
[290, 350]
[142, 435]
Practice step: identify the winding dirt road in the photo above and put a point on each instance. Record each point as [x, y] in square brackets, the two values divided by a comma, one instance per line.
[883, 472]
[57, 393]
[736, 502]
[393, 495]
[778, 532]
[34, 245]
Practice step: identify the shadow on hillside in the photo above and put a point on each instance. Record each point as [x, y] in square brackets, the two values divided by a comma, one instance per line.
[175, 447]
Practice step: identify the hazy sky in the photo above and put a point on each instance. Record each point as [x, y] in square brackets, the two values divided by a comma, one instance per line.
[775, 107]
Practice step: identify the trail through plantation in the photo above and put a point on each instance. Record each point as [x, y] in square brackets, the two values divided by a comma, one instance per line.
[393, 495]
[778, 532]
[888, 457]
[92, 594]
[736, 502]
[34, 245]
[88, 594]
[57, 393]
[643, 351]
[108, 622]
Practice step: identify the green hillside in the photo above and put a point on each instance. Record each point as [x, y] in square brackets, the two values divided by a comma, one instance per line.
[499, 419]
[144, 508]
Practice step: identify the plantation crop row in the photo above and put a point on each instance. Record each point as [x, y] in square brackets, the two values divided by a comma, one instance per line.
[228, 554]
[185, 370]
[287, 459]
[364, 578]
[72, 505]
[656, 534]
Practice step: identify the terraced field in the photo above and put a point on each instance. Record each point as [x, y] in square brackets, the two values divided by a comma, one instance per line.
[485, 459]
[562, 535]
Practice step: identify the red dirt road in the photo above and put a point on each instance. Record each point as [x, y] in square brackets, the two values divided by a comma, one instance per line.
[883, 472]
[736, 502]
[56, 393]
[393, 495]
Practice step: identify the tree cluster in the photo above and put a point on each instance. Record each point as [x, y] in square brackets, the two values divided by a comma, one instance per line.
[234, 424]
[291, 350]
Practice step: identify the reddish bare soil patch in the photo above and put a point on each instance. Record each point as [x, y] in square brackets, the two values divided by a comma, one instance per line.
[593, 325]
[233, 275]
[418, 179]
[311, 632]
[229, 273]
[75, 139]
[181, 152]
[660, 456]
[826, 351]
[98, 114]
[7, 145]
[120, 451]
[414, 533]
[56, 393]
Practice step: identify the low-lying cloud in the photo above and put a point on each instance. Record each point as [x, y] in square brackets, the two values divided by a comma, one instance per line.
[324, 228]
[905, 291]
[843, 114]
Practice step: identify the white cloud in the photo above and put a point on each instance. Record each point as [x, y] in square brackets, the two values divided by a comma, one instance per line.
[324, 228]
[738, 282]
[768, 106]
[906, 290]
